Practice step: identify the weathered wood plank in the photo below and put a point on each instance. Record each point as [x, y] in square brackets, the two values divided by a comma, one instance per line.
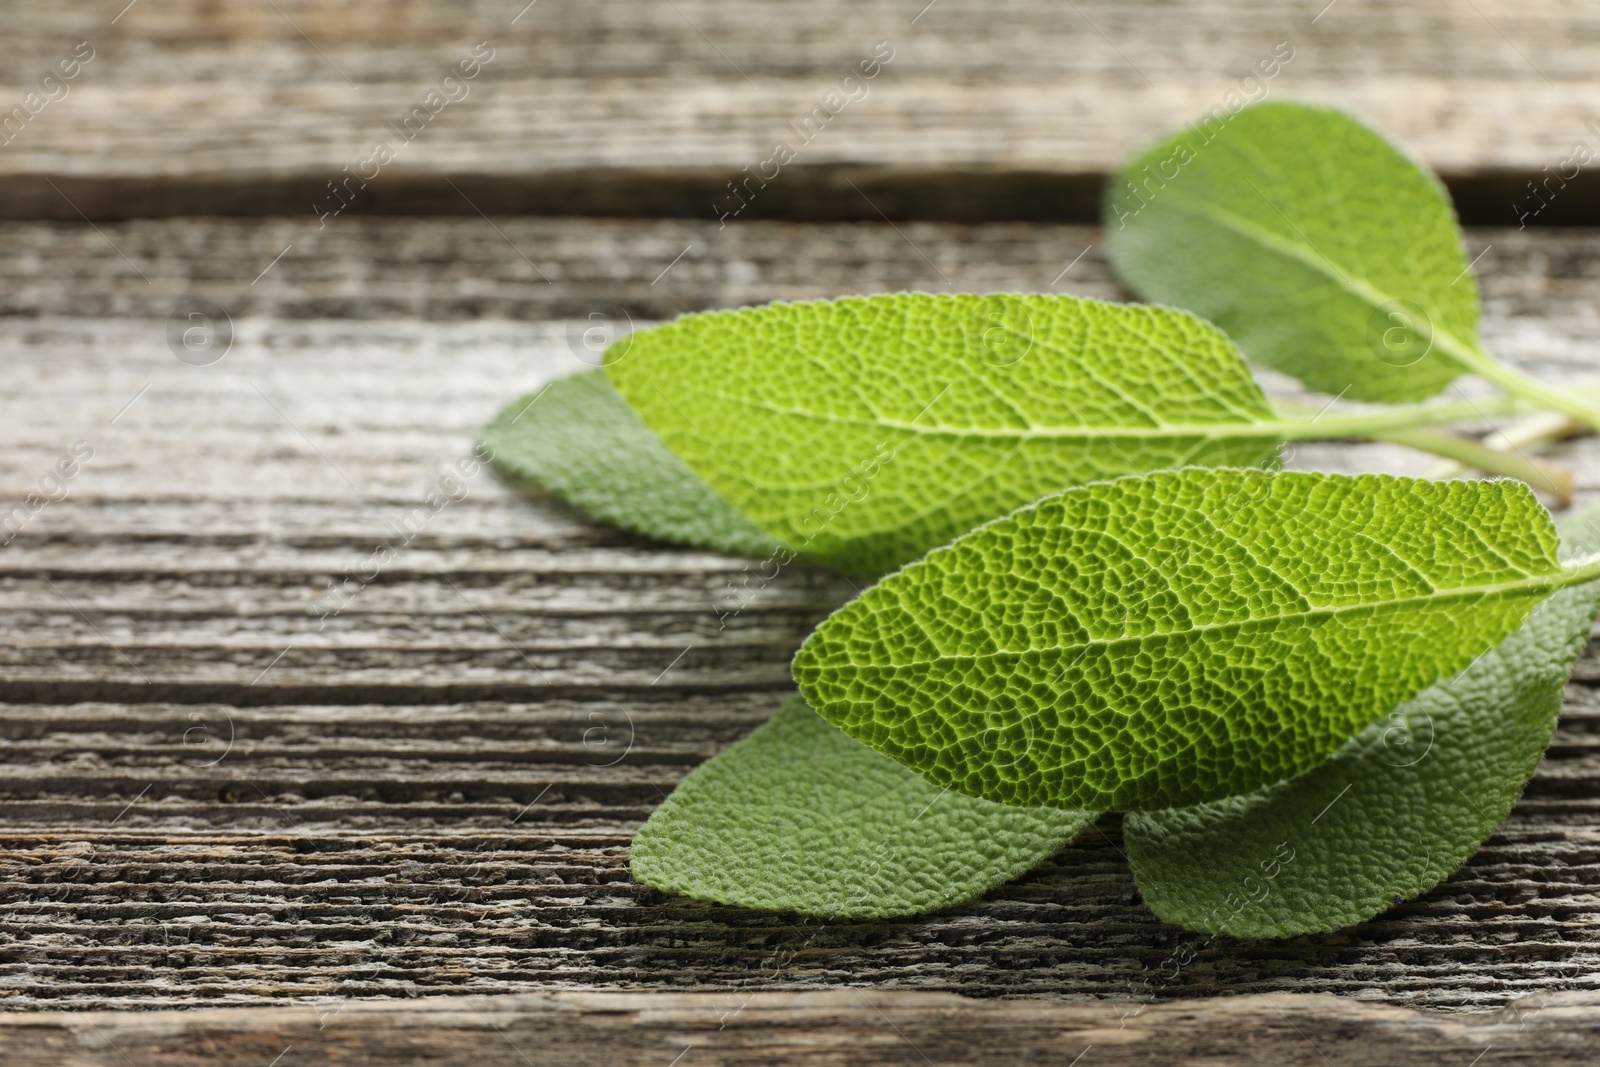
[414, 799]
[844, 1028]
[426, 380]
[421, 288]
[1008, 110]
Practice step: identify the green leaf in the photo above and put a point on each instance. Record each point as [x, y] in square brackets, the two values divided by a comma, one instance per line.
[577, 439]
[1317, 245]
[1387, 817]
[798, 817]
[865, 431]
[1158, 641]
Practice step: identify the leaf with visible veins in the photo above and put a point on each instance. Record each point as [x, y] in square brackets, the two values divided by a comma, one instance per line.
[1316, 244]
[867, 430]
[1176, 638]
[1392, 813]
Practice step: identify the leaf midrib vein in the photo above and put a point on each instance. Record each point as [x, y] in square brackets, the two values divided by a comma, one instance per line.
[1279, 429]
[1548, 582]
[1464, 352]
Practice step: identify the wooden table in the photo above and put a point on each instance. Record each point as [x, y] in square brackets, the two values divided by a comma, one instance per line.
[231, 831]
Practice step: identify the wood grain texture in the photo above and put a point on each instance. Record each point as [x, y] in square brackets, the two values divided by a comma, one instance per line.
[1014, 109]
[845, 1028]
[211, 795]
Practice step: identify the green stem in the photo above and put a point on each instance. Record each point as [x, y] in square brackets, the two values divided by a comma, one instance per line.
[1464, 351]
[1585, 570]
[1399, 418]
[1554, 480]
[1571, 403]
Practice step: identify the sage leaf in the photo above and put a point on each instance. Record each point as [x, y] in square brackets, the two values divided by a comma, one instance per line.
[1164, 640]
[1392, 813]
[865, 431]
[1318, 246]
[798, 817]
[576, 439]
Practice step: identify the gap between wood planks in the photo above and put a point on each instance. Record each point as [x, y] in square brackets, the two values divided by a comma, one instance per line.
[841, 192]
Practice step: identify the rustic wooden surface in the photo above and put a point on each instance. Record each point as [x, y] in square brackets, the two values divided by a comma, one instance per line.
[233, 832]
[1014, 109]
[846, 1028]
[208, 799]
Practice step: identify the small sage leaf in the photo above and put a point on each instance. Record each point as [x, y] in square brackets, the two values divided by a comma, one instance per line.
[798, 817]
[579, 441]
[1318, 246]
